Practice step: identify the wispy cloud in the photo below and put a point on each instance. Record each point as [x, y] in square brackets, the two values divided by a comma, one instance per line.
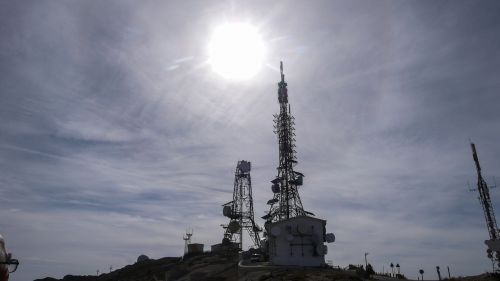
[116, 135]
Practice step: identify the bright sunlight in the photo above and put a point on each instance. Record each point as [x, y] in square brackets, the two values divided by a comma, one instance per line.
[236, 51]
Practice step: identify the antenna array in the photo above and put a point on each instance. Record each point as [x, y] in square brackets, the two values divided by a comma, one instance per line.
[286, 201]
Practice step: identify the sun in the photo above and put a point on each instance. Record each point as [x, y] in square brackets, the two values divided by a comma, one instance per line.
[236, 51]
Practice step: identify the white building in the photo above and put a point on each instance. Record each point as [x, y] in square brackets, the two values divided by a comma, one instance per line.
[298, 241]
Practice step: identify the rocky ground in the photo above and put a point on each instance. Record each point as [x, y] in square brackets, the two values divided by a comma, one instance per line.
[210, 267]
[204, 267]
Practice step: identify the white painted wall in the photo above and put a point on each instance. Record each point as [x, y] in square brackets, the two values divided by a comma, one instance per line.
[295, 242]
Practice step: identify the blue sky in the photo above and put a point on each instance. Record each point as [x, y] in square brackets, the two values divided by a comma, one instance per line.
[116, 134]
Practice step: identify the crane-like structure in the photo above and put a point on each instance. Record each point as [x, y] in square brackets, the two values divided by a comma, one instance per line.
[240, 210]
[286, 201]
[489, 213]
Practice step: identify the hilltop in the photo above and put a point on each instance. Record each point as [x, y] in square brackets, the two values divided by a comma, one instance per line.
[212, 267]
[204, 267]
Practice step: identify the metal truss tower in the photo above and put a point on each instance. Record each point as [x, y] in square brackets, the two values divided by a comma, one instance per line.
[489, 213]
[286, 201]
[240, 210]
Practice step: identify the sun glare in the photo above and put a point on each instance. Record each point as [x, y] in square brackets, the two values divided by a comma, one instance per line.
[236, 51]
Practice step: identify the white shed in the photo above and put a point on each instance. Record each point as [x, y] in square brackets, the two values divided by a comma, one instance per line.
[297, 241]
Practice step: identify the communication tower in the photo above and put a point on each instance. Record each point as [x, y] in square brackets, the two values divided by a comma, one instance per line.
[293, 236]
[187, 240]
[489, 214]
[240, 210]
[286, 201]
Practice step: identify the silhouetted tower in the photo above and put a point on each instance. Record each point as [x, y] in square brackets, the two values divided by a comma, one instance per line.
[187, 240]
[489, 213]
[240, 210]
[286, 201]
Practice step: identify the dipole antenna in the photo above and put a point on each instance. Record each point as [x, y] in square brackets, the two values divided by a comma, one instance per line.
[286, 201]
[489, 212]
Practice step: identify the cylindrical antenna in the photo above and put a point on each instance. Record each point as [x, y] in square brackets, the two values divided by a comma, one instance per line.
[281, 70]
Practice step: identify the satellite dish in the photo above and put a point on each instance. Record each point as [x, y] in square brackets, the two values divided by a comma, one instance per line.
[233, 226]
[272, 201]
[276, 231]
[226, 211]
[264, 244]
[266, 225]
[330, 238]
[320, 250]
[304, 229]
[493, 245]
[142, 258]
[289, 237]
[245, 166]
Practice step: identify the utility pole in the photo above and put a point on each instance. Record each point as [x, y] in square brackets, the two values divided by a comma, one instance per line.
[366, 261]
[449, 275]
[439, 273]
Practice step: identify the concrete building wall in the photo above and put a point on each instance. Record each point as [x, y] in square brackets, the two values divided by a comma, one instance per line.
[195, 248]
[297, 241]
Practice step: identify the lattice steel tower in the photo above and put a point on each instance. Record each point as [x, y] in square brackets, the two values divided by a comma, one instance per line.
[286, 201]
[240, 210]
[489, 213]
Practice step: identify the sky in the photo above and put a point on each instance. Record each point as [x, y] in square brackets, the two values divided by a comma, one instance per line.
[117, 135]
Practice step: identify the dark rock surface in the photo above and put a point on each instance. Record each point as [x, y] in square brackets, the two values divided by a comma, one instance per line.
[206, 267]
[211, 267]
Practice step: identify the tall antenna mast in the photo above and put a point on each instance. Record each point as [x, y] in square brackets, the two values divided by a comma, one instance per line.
[489, 213]
[286, 201]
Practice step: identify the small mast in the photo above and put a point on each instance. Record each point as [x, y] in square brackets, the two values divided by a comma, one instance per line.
[282, 75]
[282, 90]
[476, 159]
